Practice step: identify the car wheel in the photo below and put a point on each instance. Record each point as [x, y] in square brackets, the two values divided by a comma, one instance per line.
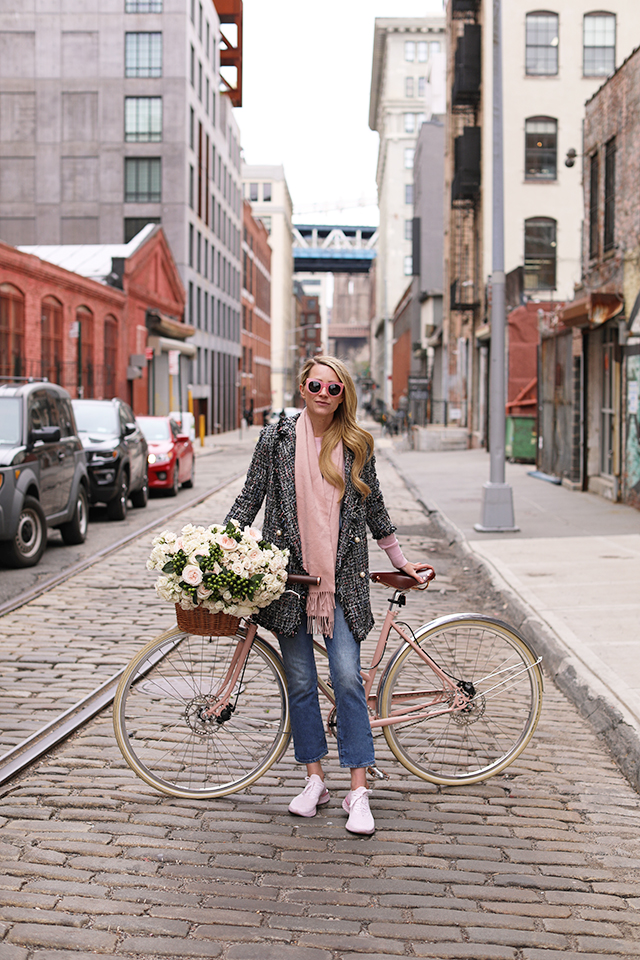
[140, 498]
[175, 486]
[75, 531]
[30, 540]
[117, 508]
[192, 476]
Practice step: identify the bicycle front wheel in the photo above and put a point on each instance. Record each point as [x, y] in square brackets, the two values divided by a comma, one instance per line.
[480, 740]
[163, 728]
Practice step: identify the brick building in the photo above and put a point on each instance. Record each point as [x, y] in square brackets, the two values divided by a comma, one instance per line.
[255, 364]
[307, 332]
[99, 320]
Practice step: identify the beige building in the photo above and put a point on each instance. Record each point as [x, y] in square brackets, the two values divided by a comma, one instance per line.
[266, 190]
[406, 60]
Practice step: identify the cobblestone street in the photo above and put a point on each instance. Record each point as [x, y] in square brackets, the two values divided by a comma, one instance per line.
[539, 863]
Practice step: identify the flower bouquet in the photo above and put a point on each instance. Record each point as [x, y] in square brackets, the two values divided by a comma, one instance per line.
[218, 570]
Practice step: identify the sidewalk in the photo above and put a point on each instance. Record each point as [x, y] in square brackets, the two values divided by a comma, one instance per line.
[570, 577]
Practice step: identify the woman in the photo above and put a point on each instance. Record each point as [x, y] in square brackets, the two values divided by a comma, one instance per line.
[317, 472]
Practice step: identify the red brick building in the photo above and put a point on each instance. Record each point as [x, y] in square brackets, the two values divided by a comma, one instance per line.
[255, 365]
[308, 328]
[99, 320]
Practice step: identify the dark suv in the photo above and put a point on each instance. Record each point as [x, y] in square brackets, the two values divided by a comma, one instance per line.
[116, 454]
[43, 473]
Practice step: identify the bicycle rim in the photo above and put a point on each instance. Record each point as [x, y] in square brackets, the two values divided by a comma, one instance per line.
[481, 740]
[161, 730]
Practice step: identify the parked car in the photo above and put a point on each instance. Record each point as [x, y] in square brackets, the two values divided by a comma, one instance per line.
[43, 472]
[287, 411]
[171, 459]
[116, 454]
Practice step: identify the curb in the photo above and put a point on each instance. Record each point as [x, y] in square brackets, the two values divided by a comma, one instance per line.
[610, 720]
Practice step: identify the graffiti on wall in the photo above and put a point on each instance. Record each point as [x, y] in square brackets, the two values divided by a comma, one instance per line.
[633, 429]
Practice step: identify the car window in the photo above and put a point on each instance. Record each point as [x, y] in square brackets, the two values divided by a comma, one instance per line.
[123, 419]
[128, 413]
[10, 408]
[98, 419]
[174, 429]
[41, 412]
[65, 416]
[154, 428]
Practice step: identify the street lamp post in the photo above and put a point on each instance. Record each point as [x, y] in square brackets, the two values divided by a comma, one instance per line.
[497, 500]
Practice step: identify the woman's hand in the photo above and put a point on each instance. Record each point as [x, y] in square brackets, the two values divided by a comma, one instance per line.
[419, 571]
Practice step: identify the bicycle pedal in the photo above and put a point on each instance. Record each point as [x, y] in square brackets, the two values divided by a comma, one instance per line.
[377, 774]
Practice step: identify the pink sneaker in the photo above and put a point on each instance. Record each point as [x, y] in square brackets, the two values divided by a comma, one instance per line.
[314, 795]
[356, 804]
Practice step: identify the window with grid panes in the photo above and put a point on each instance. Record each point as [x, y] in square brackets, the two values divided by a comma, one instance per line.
[409, 87]
[143, 6]
[542, 44]
[594, 183]
[143, 54]
[540, 253]
[599, 45]
[142, 179]
[609, 194]
[143, 119]
[541, 148]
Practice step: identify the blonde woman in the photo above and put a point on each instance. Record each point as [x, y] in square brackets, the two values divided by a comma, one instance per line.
[317, 474]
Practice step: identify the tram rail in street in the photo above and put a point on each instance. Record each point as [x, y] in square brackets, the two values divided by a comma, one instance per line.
[23, 754]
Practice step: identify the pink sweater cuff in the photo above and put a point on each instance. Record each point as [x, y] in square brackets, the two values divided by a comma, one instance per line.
[392, 549]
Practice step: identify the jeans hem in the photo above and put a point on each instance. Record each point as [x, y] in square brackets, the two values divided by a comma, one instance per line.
[315, 759]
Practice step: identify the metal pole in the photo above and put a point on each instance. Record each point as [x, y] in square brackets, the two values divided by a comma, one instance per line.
[497, 501]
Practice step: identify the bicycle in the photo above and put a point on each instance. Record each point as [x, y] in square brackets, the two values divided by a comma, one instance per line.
[205, 716]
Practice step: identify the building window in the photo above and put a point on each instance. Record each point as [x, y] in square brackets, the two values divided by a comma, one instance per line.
[409, 154]
[599, 45]
[408, 193]
[434, 46]
[192, 67]
[423, 51]
[143, 119]
[199, 81]
[422, 86]
[143, 54]
[266, 192]
[609, 194]
[409, 123]
[192, 124]
[143, 6]
[133, 226]
[110, 355]
[408, 230]
[142, 179]
[409, 51]
[51, 339]
[541, 148]
[191, 187]
[540, 254]
[253, 192]
[594, 178]
[542, 44]
[408, 87]
[84, 357]
[408, 266]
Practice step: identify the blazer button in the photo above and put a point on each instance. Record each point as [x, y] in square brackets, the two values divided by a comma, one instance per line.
[362, 573]
[278, 533]
[357, 539]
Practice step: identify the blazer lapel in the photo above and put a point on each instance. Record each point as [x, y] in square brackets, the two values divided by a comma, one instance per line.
[348, 504]
[286, 480]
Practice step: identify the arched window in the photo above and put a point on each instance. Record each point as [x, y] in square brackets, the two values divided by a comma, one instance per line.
[12, 360]
[542, 43]
[540, 253]
[110, 356]
[51, 340]
[540, 148]
[599, 44]
[84, 331]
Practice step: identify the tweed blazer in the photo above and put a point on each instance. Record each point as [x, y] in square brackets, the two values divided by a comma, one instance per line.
[271, 478]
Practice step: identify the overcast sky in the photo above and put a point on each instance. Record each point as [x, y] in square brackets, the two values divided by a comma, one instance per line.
[307, 77]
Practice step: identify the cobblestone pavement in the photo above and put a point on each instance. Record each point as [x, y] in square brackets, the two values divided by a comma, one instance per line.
[539, 863]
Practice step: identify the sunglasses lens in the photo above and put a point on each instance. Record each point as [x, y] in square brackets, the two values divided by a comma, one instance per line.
[335, 389]
[314, 386]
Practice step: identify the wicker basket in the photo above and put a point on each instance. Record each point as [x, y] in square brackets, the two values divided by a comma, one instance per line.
[206, 624]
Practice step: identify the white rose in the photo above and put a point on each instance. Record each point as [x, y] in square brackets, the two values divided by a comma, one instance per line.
[203, 592]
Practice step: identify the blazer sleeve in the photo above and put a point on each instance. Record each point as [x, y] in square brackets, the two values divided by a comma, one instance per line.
[378, 519]
[249, 501]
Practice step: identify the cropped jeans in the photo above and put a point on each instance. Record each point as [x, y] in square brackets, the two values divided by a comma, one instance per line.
[355, 740]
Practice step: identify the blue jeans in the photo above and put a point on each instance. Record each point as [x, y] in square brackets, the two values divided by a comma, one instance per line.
[355, 740]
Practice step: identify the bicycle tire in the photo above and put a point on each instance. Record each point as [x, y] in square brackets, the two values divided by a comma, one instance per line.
[474, 744]
[162, 735]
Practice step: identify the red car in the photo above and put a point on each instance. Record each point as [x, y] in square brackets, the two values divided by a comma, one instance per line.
[171, 460]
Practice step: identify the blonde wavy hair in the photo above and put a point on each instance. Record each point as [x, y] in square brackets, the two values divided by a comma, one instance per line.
[344, 427]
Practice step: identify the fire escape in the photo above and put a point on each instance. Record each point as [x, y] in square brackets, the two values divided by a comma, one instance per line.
[230, 15]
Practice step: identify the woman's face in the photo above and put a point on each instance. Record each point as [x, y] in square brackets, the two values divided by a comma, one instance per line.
[321, 403]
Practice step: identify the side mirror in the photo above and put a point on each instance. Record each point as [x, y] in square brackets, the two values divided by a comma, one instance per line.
[46, 434]
[129, 428]
[183, 436]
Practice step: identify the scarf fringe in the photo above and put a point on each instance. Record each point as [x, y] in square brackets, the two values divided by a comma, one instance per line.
[320, 612]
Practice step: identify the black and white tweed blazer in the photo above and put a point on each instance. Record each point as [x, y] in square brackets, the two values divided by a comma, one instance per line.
[271, 476]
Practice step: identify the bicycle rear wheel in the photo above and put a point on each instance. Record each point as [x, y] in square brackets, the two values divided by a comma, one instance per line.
[166, 737]
[479, 741]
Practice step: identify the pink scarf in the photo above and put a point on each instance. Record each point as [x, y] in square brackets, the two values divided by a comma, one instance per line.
[319, 522]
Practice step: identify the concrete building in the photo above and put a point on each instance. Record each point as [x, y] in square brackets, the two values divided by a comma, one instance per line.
[406, 60]
[553, 61]
[255, 370]
[110, 118]
[266, 190]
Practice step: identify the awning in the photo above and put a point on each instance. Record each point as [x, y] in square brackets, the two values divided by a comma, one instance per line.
[165, 344]
[593, 310]
[165, 326]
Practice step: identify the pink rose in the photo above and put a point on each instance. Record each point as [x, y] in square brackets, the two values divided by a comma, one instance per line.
[227, 543]
[192, 575]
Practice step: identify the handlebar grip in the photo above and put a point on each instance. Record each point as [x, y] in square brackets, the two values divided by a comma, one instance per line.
[303, 578]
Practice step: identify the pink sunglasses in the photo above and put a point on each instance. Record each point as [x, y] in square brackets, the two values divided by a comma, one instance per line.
[334, 389]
